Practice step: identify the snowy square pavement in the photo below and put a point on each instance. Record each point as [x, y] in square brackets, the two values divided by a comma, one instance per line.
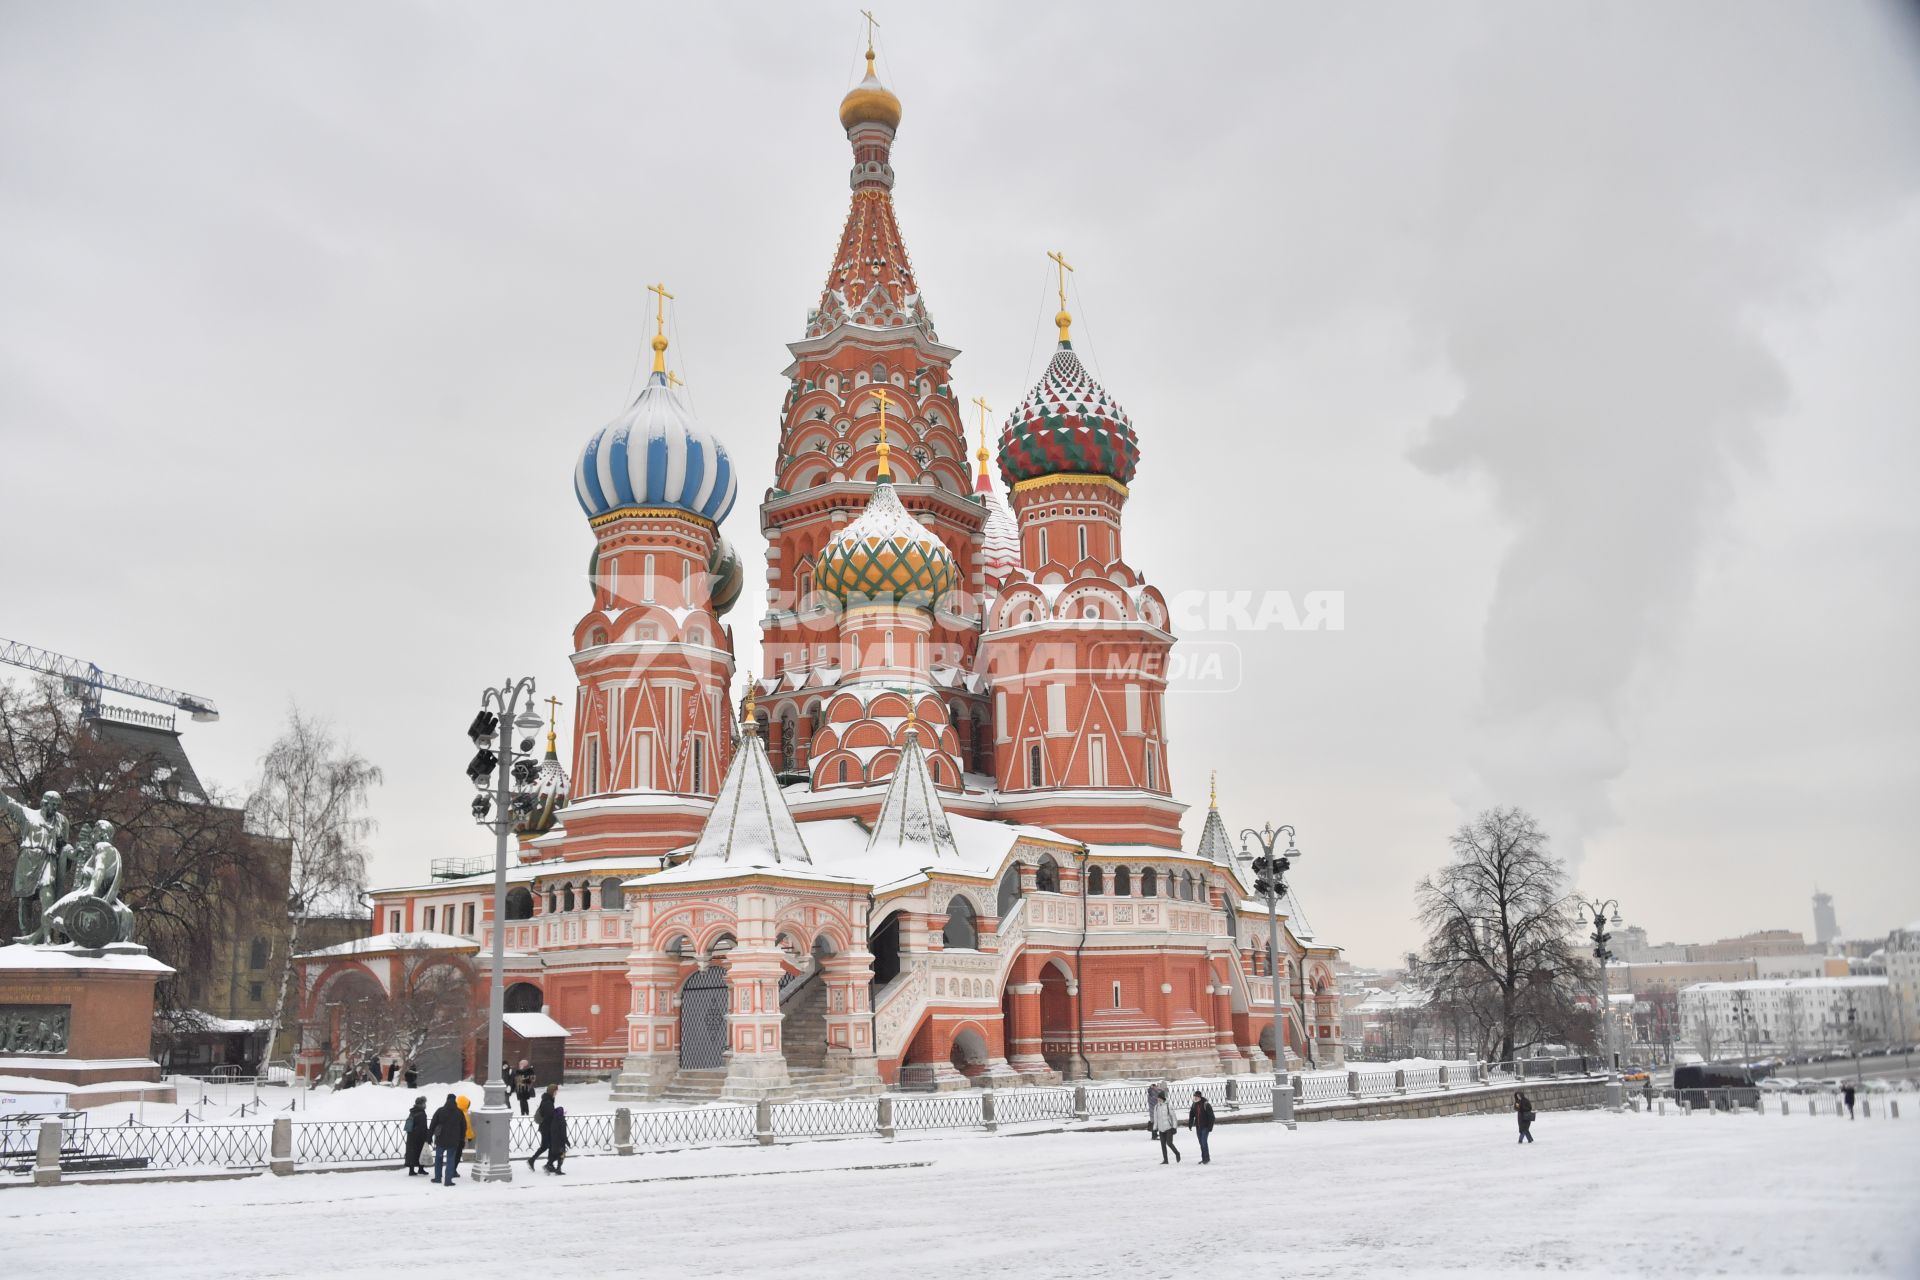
[1598, 1195]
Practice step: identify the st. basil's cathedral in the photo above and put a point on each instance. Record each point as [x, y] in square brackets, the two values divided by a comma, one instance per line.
[935, 845]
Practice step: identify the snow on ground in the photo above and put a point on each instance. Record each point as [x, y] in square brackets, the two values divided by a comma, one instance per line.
[1598, 1195]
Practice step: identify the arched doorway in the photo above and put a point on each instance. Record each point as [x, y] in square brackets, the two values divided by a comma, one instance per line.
[884, 944]
[1009, 891]
[1056, 1018]
[523, 997]
[703, 1020]
[969, 1053]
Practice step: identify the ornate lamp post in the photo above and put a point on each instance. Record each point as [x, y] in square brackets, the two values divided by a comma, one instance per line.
[1600, 910]
[1270, 882]
[506, 777]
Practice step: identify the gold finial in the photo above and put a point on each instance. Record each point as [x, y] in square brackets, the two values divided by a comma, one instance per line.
[913, 721]
[553, 712]
[872, 22]
[659, 327]
[885, 472]
[985, 409]
[747, 720]
[1213, 789]
[1062, 266]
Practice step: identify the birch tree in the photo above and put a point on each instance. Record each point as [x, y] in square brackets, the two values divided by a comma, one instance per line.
[313, 793]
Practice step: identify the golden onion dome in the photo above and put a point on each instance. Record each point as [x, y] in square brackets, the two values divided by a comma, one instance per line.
[870, 102]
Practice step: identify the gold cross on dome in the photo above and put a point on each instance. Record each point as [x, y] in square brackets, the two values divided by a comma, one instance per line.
[985, 409]
[659, 327]
[880, 394]
[872, 22]
[553, 711]
[1061, 267]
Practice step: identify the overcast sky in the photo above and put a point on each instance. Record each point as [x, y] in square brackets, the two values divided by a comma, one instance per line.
[1574, 344]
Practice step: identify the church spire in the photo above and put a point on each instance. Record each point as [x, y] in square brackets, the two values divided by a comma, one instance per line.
[911, 817]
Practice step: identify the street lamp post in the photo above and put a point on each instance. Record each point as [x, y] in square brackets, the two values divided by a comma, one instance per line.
[1853, 1041]
[510, 774]
[1602, 953]
[1270, 882]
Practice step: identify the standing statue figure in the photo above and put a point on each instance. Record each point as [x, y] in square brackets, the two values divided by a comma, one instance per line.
[91, 913]
[39, 872]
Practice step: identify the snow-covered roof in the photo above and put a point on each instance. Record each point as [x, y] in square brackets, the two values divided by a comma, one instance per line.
[911, 819]
[419, 940]
[1788, 984]
[197, 1020]
[533, 1026]
[528, 872]
[750, 824]
[16, 956]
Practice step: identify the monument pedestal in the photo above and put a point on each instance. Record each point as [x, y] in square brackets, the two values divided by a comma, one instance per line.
[83, 1018]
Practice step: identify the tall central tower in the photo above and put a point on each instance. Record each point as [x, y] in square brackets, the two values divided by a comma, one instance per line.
[870, 339]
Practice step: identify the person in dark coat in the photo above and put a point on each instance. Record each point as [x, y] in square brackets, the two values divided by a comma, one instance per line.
[543, 1117]
[523, 1085]
[1200, 1120]
[393, 1072]
[413, 1075]
[418, 1130]
[1523, 1111]
[449, 1129]
[1846, 1094]
[557, 1139]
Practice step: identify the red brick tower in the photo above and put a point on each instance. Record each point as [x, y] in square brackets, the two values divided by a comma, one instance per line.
[870, 332]
[652, 733]
[1077, 641]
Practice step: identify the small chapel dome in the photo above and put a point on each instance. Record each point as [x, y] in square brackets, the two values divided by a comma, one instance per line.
[1068, 425]
[870, 102]
[656, 455]
[886, 557]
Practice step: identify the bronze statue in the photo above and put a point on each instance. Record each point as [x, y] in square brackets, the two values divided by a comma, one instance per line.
[66, 893]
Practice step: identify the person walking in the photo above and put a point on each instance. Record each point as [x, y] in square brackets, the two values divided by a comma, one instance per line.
[412, 1075]
[1160, 1120]
[1200, 1120]
[1846, 1095]
[449, 1128]
[419, 1129]
[543, 1118]
[393, 1072]
[523, 1085]
[1523, 1112]
[557, 1140]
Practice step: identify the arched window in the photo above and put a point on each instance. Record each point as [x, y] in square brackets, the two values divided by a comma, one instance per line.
[843, 771]
[933, 767]
[960, 931]
[1096, 882]
[566, 897]
[1186, 885]
[612, 896]
[257, 954]
[1149, 883]
[1046, 875]
[1233, 923]
[1033, 765]
[553, 902]
[1009, 891]
[1122, 882]
[1083, 545]
[519, 903]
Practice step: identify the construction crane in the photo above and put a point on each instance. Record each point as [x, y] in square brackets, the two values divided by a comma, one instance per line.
[88, 681]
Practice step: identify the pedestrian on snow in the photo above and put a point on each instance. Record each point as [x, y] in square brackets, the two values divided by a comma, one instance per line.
[1523, 1111]
[523, 1085]
[543, 1117]
[1646, 1091]
[449, 1129]
[1160, 1120]
[464, 1102]
[393, 1072]
[419, 1129]
[557, 1140]
[1200, 1120]
[412, 1076]
[1846, 1093]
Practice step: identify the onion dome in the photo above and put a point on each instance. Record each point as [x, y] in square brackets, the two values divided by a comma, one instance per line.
[870, 102]
[1068, 425]
[550, 792]
[886, 556]
[655, 456]
[726, 577]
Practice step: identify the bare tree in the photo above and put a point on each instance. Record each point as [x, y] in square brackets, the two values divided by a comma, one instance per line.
[313, 794]
[1500, 936]
[432, 1011]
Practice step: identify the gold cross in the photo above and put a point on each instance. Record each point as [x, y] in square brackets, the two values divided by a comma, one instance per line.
[553, 710]
[660, 327]
[872, 22]
[1062, 266]
[885, 472]
[985, 409]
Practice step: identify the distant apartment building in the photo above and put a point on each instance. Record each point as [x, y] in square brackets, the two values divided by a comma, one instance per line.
[1765, 1017]
[1806, 966]
[1669, 976]
[1903, 981]
[1826, 927]
[1766, 942]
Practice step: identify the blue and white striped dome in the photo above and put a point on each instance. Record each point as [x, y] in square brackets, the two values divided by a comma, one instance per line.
[655, 455]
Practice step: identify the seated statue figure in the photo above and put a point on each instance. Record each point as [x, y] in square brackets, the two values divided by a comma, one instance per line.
[92, 914]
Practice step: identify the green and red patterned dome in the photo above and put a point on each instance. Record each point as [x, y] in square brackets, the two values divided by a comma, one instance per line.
[1068, 425]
